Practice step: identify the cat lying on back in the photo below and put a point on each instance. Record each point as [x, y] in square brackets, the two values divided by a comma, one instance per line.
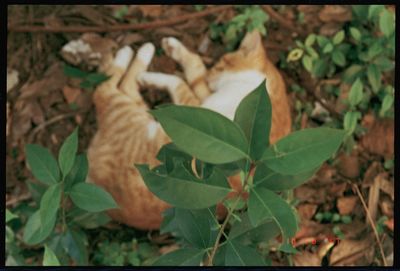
[128, 135]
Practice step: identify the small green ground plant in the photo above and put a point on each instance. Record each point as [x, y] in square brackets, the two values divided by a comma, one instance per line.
[250, 17]
[206, 149]
[66, 203]
[362, 55]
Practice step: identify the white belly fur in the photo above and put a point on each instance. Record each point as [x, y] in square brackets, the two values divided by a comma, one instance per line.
[229, 89]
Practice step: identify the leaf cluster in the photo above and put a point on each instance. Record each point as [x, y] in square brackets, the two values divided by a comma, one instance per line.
[249, 18]
[362, 53]
[194, 171]
[62, 181]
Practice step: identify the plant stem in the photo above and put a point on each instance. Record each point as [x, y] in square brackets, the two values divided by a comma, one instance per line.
[63, 216]
[228, 216]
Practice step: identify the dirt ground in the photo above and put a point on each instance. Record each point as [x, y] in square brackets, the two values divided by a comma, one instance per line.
[45, 106]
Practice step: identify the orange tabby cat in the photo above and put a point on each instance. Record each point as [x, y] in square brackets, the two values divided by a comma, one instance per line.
[128, 135]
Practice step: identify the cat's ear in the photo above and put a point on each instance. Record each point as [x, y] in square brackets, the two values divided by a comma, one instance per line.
[251, 43]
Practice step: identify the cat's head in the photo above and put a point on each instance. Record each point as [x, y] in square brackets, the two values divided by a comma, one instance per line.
[249, 56]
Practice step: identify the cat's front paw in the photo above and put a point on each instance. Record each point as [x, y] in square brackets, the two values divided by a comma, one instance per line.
[173, 48]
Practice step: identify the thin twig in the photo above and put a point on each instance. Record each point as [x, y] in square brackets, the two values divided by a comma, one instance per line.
[51, 121]
[225, 223]
[119, 27]
[282, 21]
[371, 222]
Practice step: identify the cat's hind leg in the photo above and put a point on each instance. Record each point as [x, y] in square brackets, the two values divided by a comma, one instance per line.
[129, 84]
[192, 64]
[178, 89]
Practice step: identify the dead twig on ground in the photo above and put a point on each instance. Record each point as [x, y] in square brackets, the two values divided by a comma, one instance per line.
[119, 27]
[371, 222]
[282, 21]
[51, 121]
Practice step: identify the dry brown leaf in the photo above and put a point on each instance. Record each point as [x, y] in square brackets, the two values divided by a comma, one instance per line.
[71, 94]
[330, 29]
[373, 199]
[306, 210]
[379, 139]
[306, 258]
[167, 249]
[373, 170]
[349, 165]
[152, 11]
[12, 79]
[324, 248]
[335, 13]
[53, 79]
[387, 207]
[132, 38]
[307, 193]
[310, 228]
[355, 229]
[352, 252]
[390, 224]
[386, 186]
[346, 205]
[340, 105]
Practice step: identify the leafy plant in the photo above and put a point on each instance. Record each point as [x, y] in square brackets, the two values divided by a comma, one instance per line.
[65, 202]
[131, 253]
[89, 79]
[250, 18]
[193, 176]
[363, 55]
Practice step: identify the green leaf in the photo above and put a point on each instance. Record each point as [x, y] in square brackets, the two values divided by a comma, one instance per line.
[386, 23]
[384, 64]
[181, 257]
[74, 72]
[322, 41]
[338, 58]
[239, 255]
[49, 205]
[350, 121]
[352, 72]
[328, 48]
[275, 181]
[310, 40]
[88, 220]
[43, 165]
[49, 258]
[198, 227]
[34, 233]
[386, 104]
[66, 155]
[78, 172]
[211, 138]
[307, 63]
[338, 38]
[287, 248]
[96, 78]
[253, 115]
[374, 77]
[355, 33]
[170, 155]
[375, 10]
[303, 150]
[75, 244]
[264, 204]
[245, 233]
[320, 68]
[356, 93]
[91, 197]
[182, 189]
[10, 216]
